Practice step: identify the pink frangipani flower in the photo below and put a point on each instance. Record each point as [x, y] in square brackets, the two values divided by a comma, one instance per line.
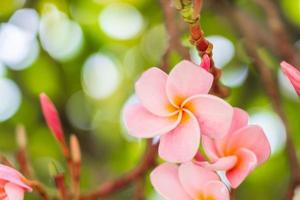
[12, 184]
[239, 152]
[51, 116]
[293, 75]
[188, 182]
[178, 108]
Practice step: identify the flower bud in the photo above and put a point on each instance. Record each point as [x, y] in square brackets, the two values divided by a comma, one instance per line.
[51, 117]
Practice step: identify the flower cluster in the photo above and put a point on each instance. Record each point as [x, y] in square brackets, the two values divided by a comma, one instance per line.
[178, 109]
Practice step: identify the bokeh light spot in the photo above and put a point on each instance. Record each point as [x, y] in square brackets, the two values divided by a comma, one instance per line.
[121, 21]
[10, 96]
[100, 76]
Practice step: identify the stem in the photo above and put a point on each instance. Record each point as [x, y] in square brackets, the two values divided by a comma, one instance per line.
[110, 187]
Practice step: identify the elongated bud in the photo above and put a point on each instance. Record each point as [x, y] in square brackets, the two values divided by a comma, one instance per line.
[75, 149]
[21, 136]
[205, 64]
[51, 117]
[293, 74]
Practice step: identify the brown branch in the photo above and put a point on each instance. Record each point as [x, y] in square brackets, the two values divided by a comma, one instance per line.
[39, 188]
[109, 187]
[203, 46]
[174, 42]
[5, 161]
[61, 187]
[140, 189]
[286, 49]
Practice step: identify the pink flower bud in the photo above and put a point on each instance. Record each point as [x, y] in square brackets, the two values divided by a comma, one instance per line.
[293, 75]
[205, 64]
[52, 117]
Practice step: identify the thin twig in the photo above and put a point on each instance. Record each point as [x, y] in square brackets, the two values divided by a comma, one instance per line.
[109, 187]
[39, 188]
[287, 50]
[174, 42]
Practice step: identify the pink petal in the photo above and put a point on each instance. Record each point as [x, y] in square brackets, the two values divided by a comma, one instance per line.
[210, 148]
[187, 79]
[11, 175]
[14, 192]
[293, 74]
[151, 90]
[213, 113]
[253, 138]
[222, 164]
[239, 120]
[143, 124]
[246, 163]
[165, 180]
[194, 178]
[182, 143]
[217, 190]
[52, 117]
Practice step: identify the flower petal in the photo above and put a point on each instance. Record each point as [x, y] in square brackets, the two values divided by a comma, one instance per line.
[253, 138]
[293, 75]
[14, 192]
[213, 113]
[151, 90]
[182, 143]
[165, 180]
[246, 163]
[194, 178]
[222, 164]
[143, 124]
[210, 148]
[239, 120]
[11, 175]
[216, 190]
[187, 79]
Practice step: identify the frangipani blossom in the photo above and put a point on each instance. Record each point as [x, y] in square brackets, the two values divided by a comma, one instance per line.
[239, 152]
[178, 108]
[188, 182]
[293, 75]
[12, 184]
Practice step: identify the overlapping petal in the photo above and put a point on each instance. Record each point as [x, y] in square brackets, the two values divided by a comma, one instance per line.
[13, 192]
[246, 163]
[224, 163]
[187, 79]
[217, 190]
[252, 138]
[151, 90]
[194, 178]
[181, 144]
[165, 180]
[143, 124]
[214, 114]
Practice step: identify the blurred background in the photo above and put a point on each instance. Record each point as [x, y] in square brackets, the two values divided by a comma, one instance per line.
[86, 56]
